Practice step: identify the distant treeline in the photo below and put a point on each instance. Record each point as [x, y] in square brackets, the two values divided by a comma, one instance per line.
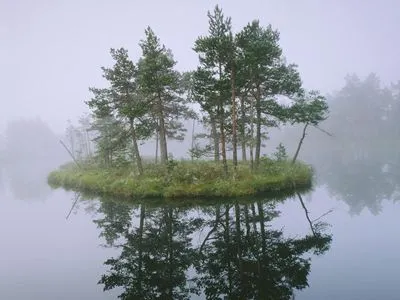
[27, 141]
[360, 160]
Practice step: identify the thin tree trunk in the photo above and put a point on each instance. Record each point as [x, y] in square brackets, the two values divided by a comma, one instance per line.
[163, 134]
[192, 146]
[252, 157]
[300, 143]
[262, 225]
[157, 141]
[243, 127]
[252, 135]
[222, 126]
[170, 253]
[258, 127]
[253, 213]
[239, 247]
[223, 145]
[247, 219]
[136, 152]
[234, 117]
[227, 251]
[214, 134]
[140, 249]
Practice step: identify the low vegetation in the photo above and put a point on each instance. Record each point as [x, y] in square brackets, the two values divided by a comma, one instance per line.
[184, 179]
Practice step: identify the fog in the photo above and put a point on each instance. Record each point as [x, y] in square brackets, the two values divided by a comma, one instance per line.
[51, 52]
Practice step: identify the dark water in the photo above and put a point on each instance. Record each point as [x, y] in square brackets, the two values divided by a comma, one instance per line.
[253, 249]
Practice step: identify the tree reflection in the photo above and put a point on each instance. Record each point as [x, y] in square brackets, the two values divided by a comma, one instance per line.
[240, 256]
[247, 259]
[155, 254]
[361, 184]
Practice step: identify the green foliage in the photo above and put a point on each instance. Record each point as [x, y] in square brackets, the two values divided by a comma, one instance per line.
[198, 152]
[163, 86]
[280, 154]
[309, 108]
[263, 74]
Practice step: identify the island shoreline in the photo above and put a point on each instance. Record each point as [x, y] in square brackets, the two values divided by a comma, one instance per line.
[184, 180]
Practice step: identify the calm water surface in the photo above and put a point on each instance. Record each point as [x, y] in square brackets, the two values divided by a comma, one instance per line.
[258, 248]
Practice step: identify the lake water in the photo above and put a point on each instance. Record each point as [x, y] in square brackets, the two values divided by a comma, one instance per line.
[253, 249]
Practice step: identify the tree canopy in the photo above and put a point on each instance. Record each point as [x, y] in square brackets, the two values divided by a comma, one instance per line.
[238, 83]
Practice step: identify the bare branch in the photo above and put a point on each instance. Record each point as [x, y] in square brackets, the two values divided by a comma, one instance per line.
[324, 131]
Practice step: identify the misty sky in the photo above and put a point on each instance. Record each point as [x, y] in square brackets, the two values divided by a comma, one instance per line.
[51, 50]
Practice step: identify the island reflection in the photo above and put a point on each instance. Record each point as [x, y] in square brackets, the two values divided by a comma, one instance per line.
[219, 251]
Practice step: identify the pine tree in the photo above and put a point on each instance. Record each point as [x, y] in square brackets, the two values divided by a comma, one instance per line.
[215, 63]
[123, 102]
[264, 75]
[160, 84]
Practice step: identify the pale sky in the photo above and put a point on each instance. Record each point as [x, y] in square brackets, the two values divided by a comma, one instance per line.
[51, 51]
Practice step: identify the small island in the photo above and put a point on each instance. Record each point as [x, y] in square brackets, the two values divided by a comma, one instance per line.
[184, 179]
[242, 86]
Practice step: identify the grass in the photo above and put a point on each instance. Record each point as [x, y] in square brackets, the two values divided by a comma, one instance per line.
[184, 180]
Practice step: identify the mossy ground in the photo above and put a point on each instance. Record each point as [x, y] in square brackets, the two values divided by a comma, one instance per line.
[184, 179]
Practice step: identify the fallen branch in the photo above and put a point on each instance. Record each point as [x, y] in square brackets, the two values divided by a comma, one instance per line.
[70, 153]
[324, 131]
[77, 196]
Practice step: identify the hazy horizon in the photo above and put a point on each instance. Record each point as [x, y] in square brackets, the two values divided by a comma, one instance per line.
[54, 49]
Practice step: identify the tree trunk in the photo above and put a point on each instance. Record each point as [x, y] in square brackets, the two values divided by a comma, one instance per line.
[300, 143]
[214, 134]
[157, 141]
[223, 144]
[262, 226]
[170, 253]
[243, 127]
[258, 127]
[253, 213]
[228, 256]
[251, 157]
[234, 118]
[239, 247]
[163, 134]
[222, 125]
[252, 135]
[247, 219]
[136, 152]
[192, 146]
[140, 249]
